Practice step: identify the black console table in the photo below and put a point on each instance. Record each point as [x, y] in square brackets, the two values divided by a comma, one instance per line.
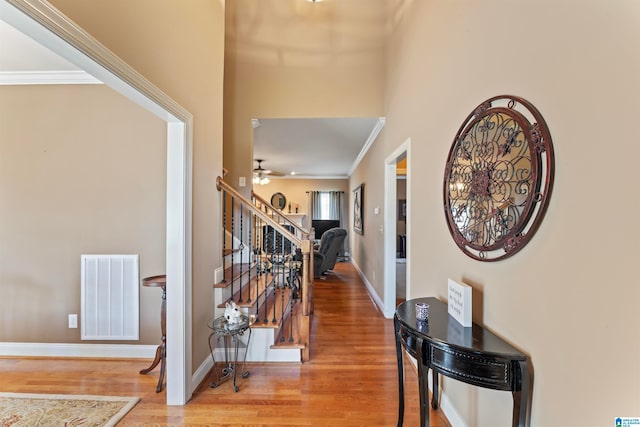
[472, 355]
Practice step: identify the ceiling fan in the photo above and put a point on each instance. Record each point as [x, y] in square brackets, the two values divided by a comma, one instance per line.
[261, 175]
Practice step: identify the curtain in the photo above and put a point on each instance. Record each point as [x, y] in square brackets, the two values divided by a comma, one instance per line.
[330, 205]
[334, 205]
[316, 204]
[327, 205]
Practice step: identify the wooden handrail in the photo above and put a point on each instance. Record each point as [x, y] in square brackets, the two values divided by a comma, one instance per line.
[289, 235]
[302, 230]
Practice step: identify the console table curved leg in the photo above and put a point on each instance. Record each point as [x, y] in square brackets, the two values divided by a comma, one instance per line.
[400, 374]
[155, 362]
[435, 398]
[161, 358]
[522, 396]
[423, 372]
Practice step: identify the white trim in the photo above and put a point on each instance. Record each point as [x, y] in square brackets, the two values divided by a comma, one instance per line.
[301, 176]
[390, 208]
[201, 373]
[29, 349]
[178, 264]
[45, 24]
[372, 292]
[372, 138]
[450, 412]
[17, 78]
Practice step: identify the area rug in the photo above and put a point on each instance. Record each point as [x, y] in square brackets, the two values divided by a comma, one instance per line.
[34, 410]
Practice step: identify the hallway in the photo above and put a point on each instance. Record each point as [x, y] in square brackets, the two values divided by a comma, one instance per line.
[350, 381]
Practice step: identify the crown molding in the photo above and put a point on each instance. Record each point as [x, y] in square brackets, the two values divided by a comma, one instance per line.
[302, 176]
[47, 78]
[372, 138]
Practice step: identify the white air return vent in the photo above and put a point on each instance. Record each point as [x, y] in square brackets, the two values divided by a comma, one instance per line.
[110, 297]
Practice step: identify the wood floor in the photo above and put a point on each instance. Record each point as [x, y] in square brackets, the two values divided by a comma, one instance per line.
[351, 379]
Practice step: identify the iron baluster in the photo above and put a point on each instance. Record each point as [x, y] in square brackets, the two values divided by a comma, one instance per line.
[291, 320]
[241, 249]
[233, 254]
[282, 287]
[224, 236]
[250, 254]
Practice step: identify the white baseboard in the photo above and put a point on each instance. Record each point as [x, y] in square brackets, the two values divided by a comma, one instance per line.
[450, 412]
[370, 289]
[123, 351]
[201, 373]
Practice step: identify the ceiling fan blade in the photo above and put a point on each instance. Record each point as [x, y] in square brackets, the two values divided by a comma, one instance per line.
[262, 171]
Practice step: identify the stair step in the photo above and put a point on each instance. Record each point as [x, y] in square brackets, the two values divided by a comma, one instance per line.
[238, 270]
[252, 289]
[274, 299]
[229, 251]
[286, 338]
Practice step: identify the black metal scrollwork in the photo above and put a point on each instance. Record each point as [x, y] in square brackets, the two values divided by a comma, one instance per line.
[498, 178]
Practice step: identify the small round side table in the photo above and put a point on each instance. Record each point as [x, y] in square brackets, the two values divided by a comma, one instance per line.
[230, 333]
[159, 281]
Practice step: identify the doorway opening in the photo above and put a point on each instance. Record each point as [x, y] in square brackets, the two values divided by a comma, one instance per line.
[59, 34]
[397, 191]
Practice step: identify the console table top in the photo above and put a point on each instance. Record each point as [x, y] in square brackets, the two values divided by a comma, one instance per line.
[443, 328]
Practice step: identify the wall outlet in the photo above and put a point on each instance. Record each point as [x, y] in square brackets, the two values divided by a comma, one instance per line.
[73, 321]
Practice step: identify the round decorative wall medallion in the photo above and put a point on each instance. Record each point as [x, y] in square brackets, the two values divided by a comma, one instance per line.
[498, 178]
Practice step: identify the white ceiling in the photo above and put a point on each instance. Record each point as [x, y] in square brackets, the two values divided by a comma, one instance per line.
[312, 148]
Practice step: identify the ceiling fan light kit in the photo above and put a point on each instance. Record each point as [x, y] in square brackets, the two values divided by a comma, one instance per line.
[260, 180]
[260, 175]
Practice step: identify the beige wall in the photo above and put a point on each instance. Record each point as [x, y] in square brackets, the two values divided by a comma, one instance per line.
[179, 47]
[570, 298]
[299, 80]
[295, 190]
[80, 173]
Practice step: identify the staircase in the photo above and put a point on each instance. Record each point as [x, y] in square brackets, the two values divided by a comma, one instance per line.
[268, 272]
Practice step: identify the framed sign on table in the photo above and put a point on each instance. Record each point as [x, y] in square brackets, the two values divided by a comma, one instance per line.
[358, 209]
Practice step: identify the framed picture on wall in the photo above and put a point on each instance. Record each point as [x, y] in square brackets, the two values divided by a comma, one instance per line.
[402, 209]
[358, 209]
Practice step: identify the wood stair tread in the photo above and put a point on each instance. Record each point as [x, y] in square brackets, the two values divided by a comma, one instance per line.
[237, 271]
[286, 337]
[229, 251]
[274, 298]
[251, 291]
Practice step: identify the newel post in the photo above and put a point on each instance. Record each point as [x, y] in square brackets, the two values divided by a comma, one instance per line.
[307, 265]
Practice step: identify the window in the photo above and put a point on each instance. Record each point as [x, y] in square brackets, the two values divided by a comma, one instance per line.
[326, 205]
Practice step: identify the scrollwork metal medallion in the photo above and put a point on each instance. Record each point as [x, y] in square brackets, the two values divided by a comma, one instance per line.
[498, 178]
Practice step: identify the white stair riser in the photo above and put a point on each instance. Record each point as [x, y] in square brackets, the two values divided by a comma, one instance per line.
[259, 349]
[261, 341]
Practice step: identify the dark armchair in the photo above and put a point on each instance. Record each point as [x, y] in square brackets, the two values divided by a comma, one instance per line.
[331, 243]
